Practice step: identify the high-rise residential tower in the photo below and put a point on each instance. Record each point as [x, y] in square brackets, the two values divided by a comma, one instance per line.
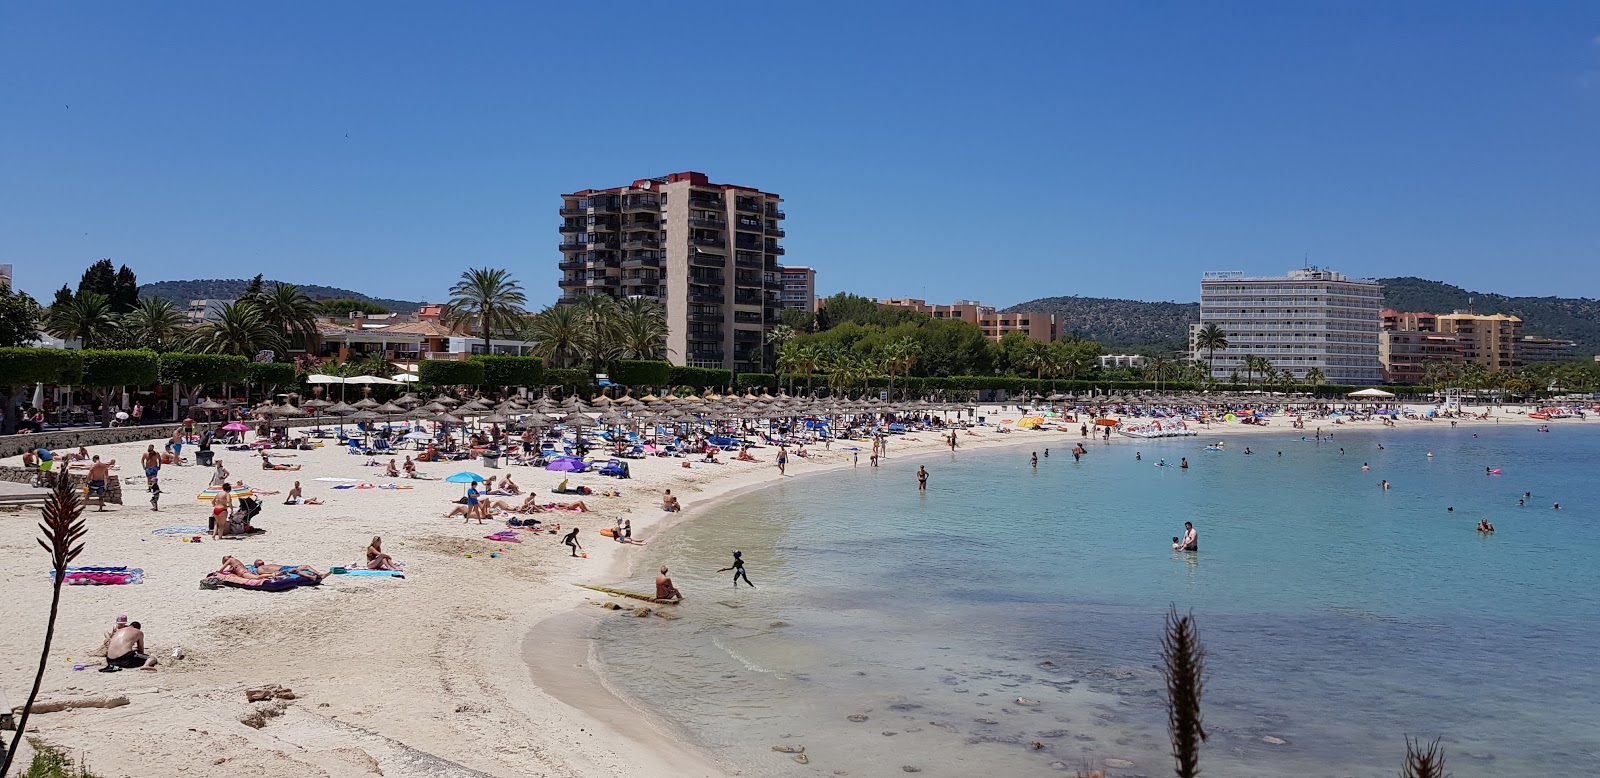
[709, 252]
[1307, 319]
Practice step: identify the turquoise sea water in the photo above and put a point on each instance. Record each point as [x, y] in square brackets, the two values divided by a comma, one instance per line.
[1337, 616]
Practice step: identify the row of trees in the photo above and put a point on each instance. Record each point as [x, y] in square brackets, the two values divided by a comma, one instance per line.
[269, 319]
[595, 330]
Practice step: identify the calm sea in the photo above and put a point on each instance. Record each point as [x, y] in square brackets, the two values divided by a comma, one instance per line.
[1338, 616]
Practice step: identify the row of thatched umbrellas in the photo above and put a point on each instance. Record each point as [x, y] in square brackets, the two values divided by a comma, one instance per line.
[545, 412]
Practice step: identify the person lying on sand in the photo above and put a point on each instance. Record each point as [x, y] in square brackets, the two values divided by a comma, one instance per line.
[266, 464]
[232, 566]
[279, 571]
[376, 559]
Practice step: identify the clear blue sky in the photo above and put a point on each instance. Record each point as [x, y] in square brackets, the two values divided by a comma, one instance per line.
[990, 151]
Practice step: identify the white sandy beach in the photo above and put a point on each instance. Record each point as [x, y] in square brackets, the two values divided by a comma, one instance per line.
[417, 677]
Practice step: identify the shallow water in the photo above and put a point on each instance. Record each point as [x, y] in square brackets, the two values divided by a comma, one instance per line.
[1337, 616]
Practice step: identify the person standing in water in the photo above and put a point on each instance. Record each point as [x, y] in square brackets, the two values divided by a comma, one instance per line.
[1191, 539]
[738, 570]
[1034, 460]
[922, 479]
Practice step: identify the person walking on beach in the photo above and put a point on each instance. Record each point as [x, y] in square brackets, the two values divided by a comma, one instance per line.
[738, 570]
[571, 541]
[783, 459]
[922, 479]
[155, 494]
[151, 461]
[99, 473]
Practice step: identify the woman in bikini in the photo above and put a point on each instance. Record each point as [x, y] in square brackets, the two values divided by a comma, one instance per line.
[376, 559]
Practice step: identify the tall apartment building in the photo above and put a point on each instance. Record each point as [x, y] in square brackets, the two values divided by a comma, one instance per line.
[1532, 348]
[799, 288]
[1039, 326]
[1489, 340]
[1409, 341]
[1307, 319]
[708, 251]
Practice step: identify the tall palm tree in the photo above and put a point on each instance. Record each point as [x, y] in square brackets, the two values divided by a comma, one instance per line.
[156, 324]
[1211, 337]
[238, 329]
[899, 354]
[1035, 356]
[557, 334]
[491, 296]
[287, 309]
[641, 328]
[809, 360]
[88, 319]
[788, 361]
[1315, 376]
[1157, 369]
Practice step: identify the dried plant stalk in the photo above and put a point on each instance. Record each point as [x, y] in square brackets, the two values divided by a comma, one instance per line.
[1424, 763]
[1184, 667]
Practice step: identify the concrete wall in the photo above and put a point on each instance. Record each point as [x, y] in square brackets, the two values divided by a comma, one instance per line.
[72, 438]
[19, 475]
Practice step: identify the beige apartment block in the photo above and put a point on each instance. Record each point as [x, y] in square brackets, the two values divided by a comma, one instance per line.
[709, 252]
[799, 290]
[995, 325]
[1489, 340]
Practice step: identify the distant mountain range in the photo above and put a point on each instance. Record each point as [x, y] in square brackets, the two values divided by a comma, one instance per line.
[1135, 325]
[181, 292]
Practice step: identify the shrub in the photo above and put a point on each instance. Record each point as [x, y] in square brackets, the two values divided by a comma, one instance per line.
[439, 372]
[24, 366]
[567, 377]
[269, 374]
[756, 380]
[201, 369]
[119, 368]
[699, 378]
[501, 370]
[640, 372]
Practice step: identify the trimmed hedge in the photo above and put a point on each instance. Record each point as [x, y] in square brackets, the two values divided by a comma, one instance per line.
[499, 370]
[105, 368]
[640, 372]
[756, 380]
[699, 377]
[23, 366]
[200, 369]
[439, 372]
[567, 377]
[271, 374]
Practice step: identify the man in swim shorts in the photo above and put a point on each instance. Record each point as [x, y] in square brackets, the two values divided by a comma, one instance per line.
[151, 461]
[99, 472]
[125, 650]
[1191, 538]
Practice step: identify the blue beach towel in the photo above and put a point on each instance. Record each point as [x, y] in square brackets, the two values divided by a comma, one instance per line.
[181, 530]
[376, 573]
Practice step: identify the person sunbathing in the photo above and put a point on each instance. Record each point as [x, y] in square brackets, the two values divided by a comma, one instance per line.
[280, 571]
[529, 504]
[266, 464]
[232, 566]
[578, 506]
[744, 456]
[509, 487]
[410, 467]
[391, 471]
[376, 559]
[669, 502]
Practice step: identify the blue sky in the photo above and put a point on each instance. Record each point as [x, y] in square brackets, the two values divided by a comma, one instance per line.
[991, 151]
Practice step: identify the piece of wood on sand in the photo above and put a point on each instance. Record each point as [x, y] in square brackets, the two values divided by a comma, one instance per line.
[634, 595]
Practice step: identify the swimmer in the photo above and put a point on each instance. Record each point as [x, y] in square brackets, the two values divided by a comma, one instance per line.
[1385, 485]
[1557, 506]
[1137, 456]
[1522, 503]
[1484, 526]
[1430, 455]
[1450, 509]
[1247, 450]
[1184, 464]
[1364, 467]
[738, 570]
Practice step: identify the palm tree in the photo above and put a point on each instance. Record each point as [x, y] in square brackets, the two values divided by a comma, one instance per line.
[641, 328]
[238, 329]
[1156, 368]
[1035, 356]
[557, 334]
[809, 361]
[491, 296]
[288, 310]
[1315, 376]
[88, 319]
[788, 361]
[156, 324]
[1211, 337]
[601, 316]
[780, 334]
[898, 354]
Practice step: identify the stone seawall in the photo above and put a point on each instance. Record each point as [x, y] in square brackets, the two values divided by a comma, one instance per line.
[18, 475]
[73, 437]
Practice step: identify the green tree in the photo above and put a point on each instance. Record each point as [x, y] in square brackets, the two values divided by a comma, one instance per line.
[156, 324]
[88, 319]
[1315, 376]
[238, 329]
[100, 278]
[344, 306]
[557, 334]
[1035, 356]
[1210, 338]
[600, 317]
[492, 297]
[641, 328]
[255, 287]
[287, 310]
[63, 297]
[798, 320]
[124, 294]
[19, 318]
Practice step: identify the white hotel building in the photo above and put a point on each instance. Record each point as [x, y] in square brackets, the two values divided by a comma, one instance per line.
[1310, 318]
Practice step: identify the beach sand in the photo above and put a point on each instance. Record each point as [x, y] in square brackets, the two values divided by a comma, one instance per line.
[426, 676]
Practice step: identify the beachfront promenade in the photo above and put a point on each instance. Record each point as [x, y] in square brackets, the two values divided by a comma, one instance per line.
[421, 676]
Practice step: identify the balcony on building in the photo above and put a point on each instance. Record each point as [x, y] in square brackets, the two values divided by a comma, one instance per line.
[706, 336]
[708, 241]
[573, 209]
[746, 317]
[652, 225]
[572, 282]
[772, 212]
[746, 243]
[705, 355]
[705, 295]
[747, 336]
[641, 243]
[749, 204]
[635, 263]
[745, 297]
[635, 203]
[570, 263]
[748, 280]
[601, 204]
[748, 224]
[572, 245]
[702, 259]
[775, 250]
[707, 202]
[570, 227]
[774, 231]
[704, 316]
[602, 282]
[708, 222]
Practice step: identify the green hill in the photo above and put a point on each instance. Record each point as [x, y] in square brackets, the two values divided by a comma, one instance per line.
[181, 292]
[1120, 325]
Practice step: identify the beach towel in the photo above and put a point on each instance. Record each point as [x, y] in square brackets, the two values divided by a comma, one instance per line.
[182, 530]
[275, 585]
[336, 480]
[372, 573]
[345, 486]
[506, 536]
[396, 486]
[102, 576]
